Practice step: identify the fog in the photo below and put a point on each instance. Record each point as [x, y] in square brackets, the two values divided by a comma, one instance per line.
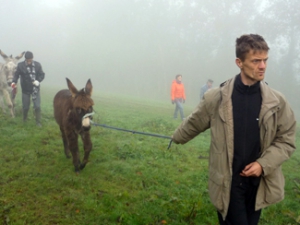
[137, 47]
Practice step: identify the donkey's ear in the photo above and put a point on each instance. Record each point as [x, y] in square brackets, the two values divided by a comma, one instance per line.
[3, 54]
[89, 88]
[72, 88]
[19, 56]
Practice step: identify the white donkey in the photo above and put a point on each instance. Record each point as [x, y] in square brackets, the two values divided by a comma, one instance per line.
[7, 71]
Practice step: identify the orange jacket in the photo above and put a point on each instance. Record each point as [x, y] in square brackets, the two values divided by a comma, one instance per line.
[177, 90]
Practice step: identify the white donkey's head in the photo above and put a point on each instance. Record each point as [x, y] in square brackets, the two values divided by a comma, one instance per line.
[10, 65]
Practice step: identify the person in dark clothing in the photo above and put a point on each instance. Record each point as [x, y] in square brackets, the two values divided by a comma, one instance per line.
[253, 132]
[205, 88]
[31, 75]
[246, 103]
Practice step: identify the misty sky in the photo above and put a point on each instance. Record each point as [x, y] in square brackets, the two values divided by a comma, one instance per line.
[136, 47]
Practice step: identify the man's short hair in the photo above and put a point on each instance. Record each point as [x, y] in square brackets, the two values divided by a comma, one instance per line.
[178, 75]
[248, 42]
[28, 55]
[210, 81]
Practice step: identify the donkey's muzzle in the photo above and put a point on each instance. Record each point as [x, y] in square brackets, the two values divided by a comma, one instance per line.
[87, 119]
[86, 122]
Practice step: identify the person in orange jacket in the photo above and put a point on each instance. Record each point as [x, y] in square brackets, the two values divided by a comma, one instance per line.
[178, 95]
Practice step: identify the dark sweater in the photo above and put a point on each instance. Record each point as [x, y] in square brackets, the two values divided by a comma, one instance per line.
[246, 101]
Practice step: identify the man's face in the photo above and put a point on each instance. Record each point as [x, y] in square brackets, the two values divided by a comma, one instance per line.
[179, 78]
[28, 61]
[254, 66]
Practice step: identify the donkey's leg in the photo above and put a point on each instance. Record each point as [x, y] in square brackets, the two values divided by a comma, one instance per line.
[65, 141]
[2, 103]
[72, 138]
[6, 95]
[13, 101]
[87, 144]
[13, 106]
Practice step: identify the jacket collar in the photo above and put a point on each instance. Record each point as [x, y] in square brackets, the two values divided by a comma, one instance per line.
[225, 110]
[269, 100]
[268, 97]
[270, 103]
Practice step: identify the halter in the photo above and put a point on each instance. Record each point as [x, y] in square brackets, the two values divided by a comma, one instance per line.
[88, 115]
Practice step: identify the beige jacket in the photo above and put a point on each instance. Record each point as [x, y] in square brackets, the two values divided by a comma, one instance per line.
[277, 136]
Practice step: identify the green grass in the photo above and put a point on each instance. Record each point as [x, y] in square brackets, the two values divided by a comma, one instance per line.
[130, 178]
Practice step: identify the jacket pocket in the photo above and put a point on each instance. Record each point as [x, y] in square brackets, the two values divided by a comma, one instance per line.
[215, 187]
[217, 145]
[218, 140]
[274, 186]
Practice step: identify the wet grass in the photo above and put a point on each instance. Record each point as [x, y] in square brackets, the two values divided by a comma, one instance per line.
[130, 178]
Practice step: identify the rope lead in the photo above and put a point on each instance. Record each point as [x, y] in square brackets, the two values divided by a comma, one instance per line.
[132, 131]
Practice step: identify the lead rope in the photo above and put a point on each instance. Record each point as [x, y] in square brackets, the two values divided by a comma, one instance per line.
[131, 131]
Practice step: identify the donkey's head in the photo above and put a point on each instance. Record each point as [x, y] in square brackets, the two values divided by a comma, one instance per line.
[10, 65]
[82, 102]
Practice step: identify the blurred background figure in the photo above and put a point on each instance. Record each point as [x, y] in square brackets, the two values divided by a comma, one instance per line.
[178, 95]
[205, 88]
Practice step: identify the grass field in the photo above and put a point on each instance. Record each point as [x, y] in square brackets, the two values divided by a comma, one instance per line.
[130, 178]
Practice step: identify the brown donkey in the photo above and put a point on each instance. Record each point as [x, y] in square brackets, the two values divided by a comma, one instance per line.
[72, 112]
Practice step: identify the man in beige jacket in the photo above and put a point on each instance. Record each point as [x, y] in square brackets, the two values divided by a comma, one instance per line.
[252, 133]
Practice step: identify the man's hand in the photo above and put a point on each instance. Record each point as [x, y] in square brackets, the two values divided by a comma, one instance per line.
[36, 83]
[252, 170]
[13, 85]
